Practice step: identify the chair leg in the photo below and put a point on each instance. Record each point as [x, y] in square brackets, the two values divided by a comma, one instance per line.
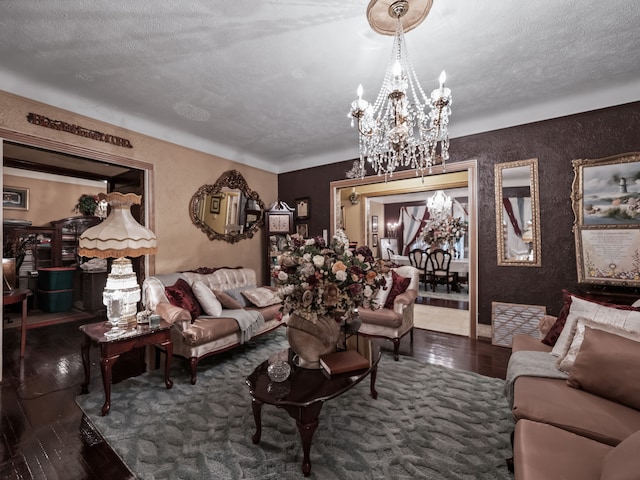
[396, 347]
[411, 335]
[193, 363]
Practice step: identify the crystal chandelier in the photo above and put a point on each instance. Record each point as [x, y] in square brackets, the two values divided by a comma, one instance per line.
[403, 127]
[439, 204]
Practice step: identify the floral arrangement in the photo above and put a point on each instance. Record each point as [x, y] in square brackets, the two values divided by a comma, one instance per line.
[445, 230]
[86, 205]
[318, 280]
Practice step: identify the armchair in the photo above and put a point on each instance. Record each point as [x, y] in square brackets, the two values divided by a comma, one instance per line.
[393, 323]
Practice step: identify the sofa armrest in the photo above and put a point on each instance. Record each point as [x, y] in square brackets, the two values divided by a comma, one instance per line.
[173, 314]
[403, 300]
[545, 324]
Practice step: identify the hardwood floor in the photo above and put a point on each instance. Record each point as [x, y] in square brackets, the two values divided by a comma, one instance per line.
[42, 431]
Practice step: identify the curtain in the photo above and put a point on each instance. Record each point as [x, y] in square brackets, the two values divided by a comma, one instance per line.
[412, 219]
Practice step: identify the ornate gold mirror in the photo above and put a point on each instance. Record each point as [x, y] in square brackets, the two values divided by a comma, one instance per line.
[227, 210]
[518, 213]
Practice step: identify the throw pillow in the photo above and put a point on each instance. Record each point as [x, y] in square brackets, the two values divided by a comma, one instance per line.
[631, 330]
[383, 292]
[236, 294]
[227, 301]
[623, 462]
[207, 299]
[607, 366]
[554, 332]
[181, 295]
[261, 296]
[400, 285]
[598, 311]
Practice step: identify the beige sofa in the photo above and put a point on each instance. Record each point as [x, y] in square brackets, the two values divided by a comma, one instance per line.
[395, 323]
[590, 430]
[206, 335]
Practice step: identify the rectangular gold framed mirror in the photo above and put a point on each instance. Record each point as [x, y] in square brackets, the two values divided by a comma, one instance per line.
[517, 213]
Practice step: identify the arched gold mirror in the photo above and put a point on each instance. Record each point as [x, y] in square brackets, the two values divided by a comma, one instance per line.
[518, 213]
[228, 210]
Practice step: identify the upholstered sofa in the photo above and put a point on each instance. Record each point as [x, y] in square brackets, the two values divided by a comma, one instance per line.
[230, 309]
[396, 319]
[576, 398]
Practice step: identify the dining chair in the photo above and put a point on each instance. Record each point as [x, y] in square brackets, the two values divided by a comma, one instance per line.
[418, 258]
[438, 273]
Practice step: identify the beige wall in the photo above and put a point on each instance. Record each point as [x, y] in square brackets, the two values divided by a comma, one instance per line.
[177, 174]
[48, 199]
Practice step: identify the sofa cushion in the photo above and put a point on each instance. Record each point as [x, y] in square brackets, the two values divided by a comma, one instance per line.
[620, 315]
[552, 401]
[207, 299]
[607, 365]
[181, 295]
[399, 285]
[623, 462]
[261, 296]
[631, 331]
[544, 452]
[227, 300]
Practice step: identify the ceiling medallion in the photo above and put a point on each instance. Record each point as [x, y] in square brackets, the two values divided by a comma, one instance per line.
[404, 127]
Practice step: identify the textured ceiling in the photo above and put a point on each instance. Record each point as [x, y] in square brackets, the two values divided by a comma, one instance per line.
[269, 83]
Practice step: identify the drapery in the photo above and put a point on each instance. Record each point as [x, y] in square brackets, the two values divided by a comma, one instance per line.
[413, 219]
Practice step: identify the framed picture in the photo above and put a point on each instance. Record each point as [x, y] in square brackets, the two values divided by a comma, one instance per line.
[303, 229]
[15, 198]
[215, 205]
[374, 240]
[606, 204]
[374, 224]
[302, 208]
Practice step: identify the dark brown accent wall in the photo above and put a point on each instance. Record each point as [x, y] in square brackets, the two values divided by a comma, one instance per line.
[555, 143]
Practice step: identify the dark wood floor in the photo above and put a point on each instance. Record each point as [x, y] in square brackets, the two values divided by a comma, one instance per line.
[43, 433]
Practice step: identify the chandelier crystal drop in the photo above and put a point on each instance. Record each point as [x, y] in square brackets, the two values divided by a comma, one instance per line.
[404, 127]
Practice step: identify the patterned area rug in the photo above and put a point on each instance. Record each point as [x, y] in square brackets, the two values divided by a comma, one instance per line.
[428, 422]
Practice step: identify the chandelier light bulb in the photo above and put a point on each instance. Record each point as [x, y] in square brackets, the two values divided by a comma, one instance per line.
[359, 92]
[443, 78]
[397, 70]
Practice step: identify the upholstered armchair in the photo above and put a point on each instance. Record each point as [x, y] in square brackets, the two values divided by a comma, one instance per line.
[394, 320]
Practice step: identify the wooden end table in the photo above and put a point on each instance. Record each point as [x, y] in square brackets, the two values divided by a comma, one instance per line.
[16, 296]
[305, 391]
[112, 346]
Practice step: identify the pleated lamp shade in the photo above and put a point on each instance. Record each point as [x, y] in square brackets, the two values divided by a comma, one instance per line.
[119, 236]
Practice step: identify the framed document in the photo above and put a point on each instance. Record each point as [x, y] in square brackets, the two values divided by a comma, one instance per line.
[302, 208]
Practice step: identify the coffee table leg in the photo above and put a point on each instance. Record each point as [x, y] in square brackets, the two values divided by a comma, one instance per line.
[167, 362]
[105, 365]
[306, 434]
[374, 373]
[85, 348]
[256, 406]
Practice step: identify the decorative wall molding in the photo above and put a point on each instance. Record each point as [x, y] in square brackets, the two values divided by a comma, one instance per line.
[43, 121]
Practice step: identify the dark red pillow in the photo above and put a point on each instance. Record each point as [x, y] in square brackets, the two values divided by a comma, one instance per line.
[399, 284]
[554, 332]
[181, 295]
[556, 329]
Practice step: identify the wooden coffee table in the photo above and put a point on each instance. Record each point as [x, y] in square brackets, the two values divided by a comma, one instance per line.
[112, 346]
[305, 391]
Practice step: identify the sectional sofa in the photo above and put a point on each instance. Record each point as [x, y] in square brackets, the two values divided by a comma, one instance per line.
[576, 397]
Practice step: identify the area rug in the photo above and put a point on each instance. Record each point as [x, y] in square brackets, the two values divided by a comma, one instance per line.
[441, 293]
[428, 422]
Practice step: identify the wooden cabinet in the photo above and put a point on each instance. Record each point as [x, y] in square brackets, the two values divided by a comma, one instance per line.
[65, 245]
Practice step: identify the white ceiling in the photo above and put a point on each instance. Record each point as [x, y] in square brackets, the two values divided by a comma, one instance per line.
[269, 83]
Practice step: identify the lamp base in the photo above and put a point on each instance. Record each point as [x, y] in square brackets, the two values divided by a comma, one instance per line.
[121, 294]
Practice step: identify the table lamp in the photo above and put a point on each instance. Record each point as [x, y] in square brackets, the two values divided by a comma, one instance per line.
[119, 236]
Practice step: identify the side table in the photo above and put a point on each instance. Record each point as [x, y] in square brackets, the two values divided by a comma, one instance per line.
[112, 346]
[16, 296]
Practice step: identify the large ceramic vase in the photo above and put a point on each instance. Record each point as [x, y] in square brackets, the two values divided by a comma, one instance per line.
[310, 340]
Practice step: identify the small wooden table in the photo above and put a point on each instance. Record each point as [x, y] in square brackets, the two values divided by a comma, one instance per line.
[112, 346]
[16, 296]
[305, 391]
